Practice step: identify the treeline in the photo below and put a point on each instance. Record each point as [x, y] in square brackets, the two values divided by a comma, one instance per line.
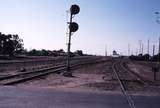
[54, 53]
[12, 45]
[145, 57]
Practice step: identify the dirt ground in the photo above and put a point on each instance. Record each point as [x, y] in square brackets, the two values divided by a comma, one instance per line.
[144, 70]
[11, 67]
[96, 77]
[93, 77]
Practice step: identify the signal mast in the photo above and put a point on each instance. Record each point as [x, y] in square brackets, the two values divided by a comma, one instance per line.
[73, 27]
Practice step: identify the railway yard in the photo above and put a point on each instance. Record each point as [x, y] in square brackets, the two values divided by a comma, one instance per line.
[89, 73]
[79, 54]
[132, 80]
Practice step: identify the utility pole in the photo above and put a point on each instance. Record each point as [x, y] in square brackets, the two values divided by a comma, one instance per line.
[148, 50]
[148, 47]
[105, 50]
[129, 50]
[136, 52]
[153, 49]
[159, 46]
[158, 22]
[157, 68]
[142, 48]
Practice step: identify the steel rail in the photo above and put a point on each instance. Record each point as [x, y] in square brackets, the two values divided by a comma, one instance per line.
[35, 74]
[35, 71]
[30, 72]
[123, 89]
[138, 77]
[32, 77]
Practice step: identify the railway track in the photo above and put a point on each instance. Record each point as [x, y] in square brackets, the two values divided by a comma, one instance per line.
[31, 64]
[26, 76]
[140, 78]
[124, 77]
[22, 77]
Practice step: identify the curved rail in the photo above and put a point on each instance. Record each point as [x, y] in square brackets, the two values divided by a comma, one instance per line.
[139, 78]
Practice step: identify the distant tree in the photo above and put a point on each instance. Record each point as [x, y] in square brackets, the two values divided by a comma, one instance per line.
[140, 55]
[33, 52]
[146, 56]
[44, 52]
[60, 51]
[24, 51]
[79, 52]
[71, 54]
[156, 57]
[10, 44]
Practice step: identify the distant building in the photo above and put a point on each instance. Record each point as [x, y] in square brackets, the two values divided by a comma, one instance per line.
[115, 54]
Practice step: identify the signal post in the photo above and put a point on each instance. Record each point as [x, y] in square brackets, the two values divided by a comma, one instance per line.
[73, 27]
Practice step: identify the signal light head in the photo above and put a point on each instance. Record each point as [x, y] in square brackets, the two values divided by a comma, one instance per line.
[75, 9]
[73, 27]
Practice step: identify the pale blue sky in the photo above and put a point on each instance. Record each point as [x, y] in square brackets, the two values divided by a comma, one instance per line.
[42, 24]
